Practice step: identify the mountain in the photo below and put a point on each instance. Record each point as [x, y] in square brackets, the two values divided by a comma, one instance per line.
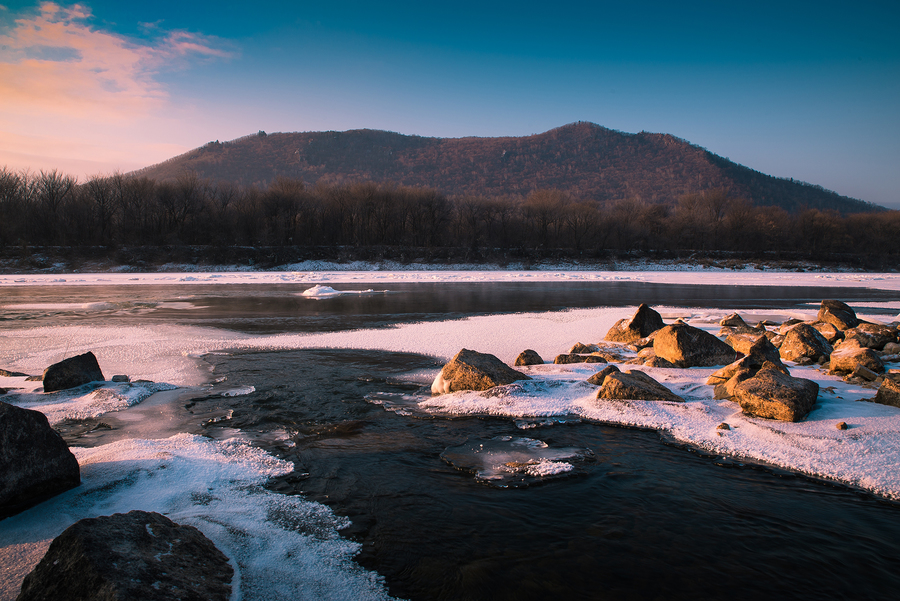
[584, 159]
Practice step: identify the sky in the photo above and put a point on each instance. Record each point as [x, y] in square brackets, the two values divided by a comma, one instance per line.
[803, 90]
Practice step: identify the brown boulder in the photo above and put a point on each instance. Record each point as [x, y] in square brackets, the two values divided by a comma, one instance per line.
[644, 322]
[528, 357]
[888, 393]
[742, 342]
[828, 331]
[471, 370]
[687, 346]
[803, 340]
[871, 335]
[848, 355]
[583, 349]
[775, 395]
[838, 314]
[636, 386]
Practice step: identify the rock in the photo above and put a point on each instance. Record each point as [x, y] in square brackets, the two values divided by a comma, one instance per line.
[35, 462]
[134, 555]
[861, 371]
[871, 335]
[597, 378]
[786, 326]
[644, 322]
[723, 426]
[34, 378]
[849, 355]
[12, 374]
[687, 346]
[471, 370]
[742, 342]
[636, 386]
[803, 340]
[888, 393]
[72, 372]
[734, 320]
[528, 357]
[891, 348]
[838, 314]
[120, 379]
[760, 354]
[842, 426]
[567, 359]
[2, 391]
[775, 395]
[828, 331]
[655, 361]
[583, 349]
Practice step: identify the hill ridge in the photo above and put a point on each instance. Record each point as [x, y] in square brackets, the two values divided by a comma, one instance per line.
[584, 159]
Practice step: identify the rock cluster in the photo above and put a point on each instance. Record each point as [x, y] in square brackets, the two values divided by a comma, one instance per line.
[134, 555]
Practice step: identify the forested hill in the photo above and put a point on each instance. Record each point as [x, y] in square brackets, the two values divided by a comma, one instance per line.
[586, 160]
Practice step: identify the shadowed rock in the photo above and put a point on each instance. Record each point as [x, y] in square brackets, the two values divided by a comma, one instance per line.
[583, 349]
[35, 462]
[134, 555]
[597, 378]
[635, 386]
[72, 372]
[803, 340]
[529, 357]
[471, 370]
[566, 359]
[686, 346]
[775, 395]
[644, 322]
[838, 314]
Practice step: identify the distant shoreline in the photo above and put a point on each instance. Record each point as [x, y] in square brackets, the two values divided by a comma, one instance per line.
[178, 259]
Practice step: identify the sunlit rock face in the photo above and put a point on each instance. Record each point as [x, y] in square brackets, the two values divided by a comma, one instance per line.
[644, 322]
[773, 394]
[838, 314]
[687, 346]
[471, 370]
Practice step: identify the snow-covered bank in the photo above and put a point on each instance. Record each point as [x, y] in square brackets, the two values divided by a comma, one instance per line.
[880, 281]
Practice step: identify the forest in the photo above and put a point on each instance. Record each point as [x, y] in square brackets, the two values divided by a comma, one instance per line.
[50, 208]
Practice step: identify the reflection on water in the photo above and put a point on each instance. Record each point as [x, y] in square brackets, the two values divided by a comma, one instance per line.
[641, 519]
[282, 308]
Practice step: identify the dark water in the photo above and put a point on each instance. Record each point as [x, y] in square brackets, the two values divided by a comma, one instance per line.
[269, 308]
[643, 520]
[639, 520]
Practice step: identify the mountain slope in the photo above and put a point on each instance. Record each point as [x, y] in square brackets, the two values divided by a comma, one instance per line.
[584, 159]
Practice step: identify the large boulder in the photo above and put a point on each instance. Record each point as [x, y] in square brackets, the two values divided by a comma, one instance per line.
[742, 342]
[871, 335]
[761, 353]
[528, 357]
[888, 393]
[773, 394]
[35, 462]
[471, 370]
[134, 555]
[644, 322]
[635, 386]
[72, 372]
[686, 346]
[804, 341]
[838, 314]
[849, 355]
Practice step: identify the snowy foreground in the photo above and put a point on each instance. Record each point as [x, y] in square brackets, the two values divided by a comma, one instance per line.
[217, 485]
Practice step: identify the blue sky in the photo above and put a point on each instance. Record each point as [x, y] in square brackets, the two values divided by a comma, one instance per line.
[794, 89]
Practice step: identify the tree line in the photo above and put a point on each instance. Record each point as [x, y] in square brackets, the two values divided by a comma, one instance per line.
[50, 208]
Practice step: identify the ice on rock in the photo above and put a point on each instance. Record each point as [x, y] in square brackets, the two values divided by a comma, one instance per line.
[514, 462]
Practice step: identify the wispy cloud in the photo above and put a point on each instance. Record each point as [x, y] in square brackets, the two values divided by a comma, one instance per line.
[55, 62]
